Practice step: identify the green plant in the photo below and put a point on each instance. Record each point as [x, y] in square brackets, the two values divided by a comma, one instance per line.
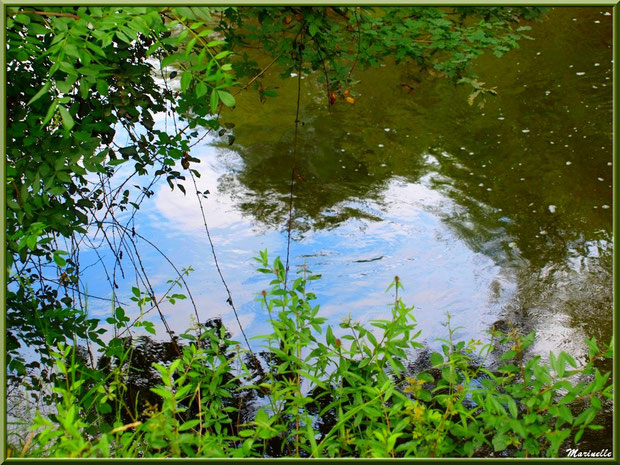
[327, 394]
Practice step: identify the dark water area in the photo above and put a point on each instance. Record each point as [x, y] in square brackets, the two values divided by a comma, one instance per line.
[500, 214]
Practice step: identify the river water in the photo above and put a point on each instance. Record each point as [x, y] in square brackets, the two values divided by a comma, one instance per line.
[496, 214]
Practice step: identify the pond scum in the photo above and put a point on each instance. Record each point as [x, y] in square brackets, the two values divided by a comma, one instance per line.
[309, 393]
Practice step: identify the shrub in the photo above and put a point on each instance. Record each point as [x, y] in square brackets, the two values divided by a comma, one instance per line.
[321, 394]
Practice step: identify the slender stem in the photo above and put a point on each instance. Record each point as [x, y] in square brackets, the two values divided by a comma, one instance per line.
[53, 13]
[217, 265]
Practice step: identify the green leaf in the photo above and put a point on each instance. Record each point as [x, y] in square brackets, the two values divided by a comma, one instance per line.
[50, 112]
[59, 260]
[223, 54]
[41, 92]
[102, 87]
[186, 80]
[188, 424]
[214, 100]
[226, 98]
[499, 442]
[578, 435]
[67, 119]
[201, 89]
[512, 406]
[508, 355]
[22, 19]
[329, 336]
[436, 359]
[190, 46]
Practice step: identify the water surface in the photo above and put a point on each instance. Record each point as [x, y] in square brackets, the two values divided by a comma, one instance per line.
[500, 213]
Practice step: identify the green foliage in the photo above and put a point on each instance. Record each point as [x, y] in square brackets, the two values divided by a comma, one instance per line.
[330, 393]
[76, 76]
[335, 40]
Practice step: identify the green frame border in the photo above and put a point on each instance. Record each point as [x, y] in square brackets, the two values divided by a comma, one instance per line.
[560, 3]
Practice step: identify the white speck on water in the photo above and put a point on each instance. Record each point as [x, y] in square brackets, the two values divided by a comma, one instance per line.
[605, 206]
[600, 179]
[607, 13]
[471, 174]
[383, 165]
[542, 232]
[293, 74]
[380, 145]
[387, 129]
[531, 203]
[551, 142]
[348, 133]
[519, 164]
[574, 19]
[550, 132]
[512, 245]
[525, 131]
[355, 169]
[538, 53]
[407, 135]
[570, 66]
[566, 145]
[501, 118]
[597, 22]
[522, 179]
[547, 92]
[343, 167]
[534, 211]
[595, 206]
[552, 208]
[608, 163]
[488, 188]
[471, 153]
[342, 150]
[481, 184]
[570, 135]
[594, 87]
[580, 73]
[463, 148]
[597, 64]
[484, 166]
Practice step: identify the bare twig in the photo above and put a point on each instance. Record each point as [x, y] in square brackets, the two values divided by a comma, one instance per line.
[217, 265]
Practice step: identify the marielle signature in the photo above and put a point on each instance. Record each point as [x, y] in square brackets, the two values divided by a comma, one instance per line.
[604, 453]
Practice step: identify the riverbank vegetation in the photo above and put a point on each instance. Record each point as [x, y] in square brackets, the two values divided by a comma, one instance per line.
[309, 393]
[86, 87]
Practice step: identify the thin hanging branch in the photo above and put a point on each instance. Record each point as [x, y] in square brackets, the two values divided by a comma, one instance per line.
[189, 293]
[217, 265]
[293, 166]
